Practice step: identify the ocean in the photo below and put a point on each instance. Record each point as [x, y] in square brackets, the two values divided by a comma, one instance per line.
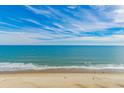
[22, 57]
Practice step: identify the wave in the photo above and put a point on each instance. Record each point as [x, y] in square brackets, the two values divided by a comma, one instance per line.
[8, 66]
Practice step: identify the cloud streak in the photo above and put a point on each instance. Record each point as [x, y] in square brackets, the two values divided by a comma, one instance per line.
[63, 25]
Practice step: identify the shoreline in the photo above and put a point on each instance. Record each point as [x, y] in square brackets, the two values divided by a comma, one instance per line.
[66, 70]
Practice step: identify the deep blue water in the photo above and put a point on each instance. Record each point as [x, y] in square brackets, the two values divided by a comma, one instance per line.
[60, 56]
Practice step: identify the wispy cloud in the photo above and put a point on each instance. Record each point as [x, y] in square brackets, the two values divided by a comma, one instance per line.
[31, 21]
[7, 24]
[87, 24]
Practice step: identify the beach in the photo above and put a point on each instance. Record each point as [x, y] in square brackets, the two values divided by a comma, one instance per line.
[25, 66]
[61, 79]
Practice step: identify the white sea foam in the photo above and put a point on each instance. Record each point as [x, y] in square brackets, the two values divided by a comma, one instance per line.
[7, 66]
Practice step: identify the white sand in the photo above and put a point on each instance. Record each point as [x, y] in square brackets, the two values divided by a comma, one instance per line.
[62, 80]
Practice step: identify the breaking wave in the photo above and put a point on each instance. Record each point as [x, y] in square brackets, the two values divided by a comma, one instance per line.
[8, 66]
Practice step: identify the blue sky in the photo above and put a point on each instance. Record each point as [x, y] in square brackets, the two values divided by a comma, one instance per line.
[61, 25]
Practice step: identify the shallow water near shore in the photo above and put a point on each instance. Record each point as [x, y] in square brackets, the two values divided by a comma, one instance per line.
[18, 58]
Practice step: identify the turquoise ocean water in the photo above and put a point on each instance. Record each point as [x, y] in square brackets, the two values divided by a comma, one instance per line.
[46, 57]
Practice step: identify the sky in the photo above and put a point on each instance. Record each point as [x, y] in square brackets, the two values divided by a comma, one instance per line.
[61, 25]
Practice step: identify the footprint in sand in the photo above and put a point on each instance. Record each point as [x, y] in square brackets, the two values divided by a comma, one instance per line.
[80, 86]
[65, 77]
[121, 85]
[31, 84]
[100, 86]
[3, 79]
